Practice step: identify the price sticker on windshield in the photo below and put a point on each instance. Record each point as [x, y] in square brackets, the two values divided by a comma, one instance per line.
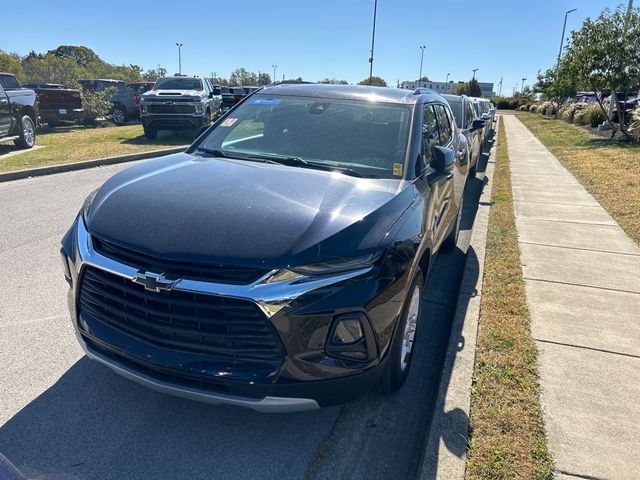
[228, 122]
[397, 169]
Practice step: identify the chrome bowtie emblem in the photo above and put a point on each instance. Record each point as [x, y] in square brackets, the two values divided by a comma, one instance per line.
[154, 282]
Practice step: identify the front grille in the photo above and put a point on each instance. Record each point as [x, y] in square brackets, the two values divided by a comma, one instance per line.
[188, 322]
[185, 109]
[196, 271]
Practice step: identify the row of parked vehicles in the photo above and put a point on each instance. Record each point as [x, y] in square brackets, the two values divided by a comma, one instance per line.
[279, 263]
[174, 103]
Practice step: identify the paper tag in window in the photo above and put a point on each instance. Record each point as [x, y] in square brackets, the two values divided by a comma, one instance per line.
[397, 169]
[228, 122]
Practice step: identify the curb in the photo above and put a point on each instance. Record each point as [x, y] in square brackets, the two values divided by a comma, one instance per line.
[444, 453]
[69, 167]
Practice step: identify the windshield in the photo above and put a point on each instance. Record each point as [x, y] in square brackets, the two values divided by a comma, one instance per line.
[369, 138]
[456, 108]
[178, 84]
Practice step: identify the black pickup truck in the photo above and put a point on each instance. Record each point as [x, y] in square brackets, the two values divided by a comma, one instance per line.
[18, 112]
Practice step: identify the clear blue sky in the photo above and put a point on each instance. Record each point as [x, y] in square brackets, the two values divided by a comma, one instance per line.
[311, 39]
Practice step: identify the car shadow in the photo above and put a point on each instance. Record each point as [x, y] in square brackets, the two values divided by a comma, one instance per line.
[165, 137]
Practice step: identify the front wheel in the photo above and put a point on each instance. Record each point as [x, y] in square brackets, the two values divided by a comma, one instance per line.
[119, 115]
[27, 133]
[150, 133]
[403, 342]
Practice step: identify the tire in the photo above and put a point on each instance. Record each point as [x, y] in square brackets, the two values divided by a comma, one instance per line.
[401, 353]
[150, 133]
[451, 241]
[119, 115]
[27, 133]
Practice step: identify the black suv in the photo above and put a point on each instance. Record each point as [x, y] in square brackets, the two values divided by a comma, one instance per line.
[279, 263]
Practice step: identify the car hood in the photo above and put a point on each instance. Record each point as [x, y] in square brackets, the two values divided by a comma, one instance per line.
[224, 211]
[154, 94]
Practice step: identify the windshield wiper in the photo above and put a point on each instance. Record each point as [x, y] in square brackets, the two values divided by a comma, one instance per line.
[222, 154]
[301, 162]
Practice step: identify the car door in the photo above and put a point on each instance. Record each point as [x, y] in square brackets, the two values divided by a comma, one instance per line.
[474, 136]
[5, 113]
[453, 174]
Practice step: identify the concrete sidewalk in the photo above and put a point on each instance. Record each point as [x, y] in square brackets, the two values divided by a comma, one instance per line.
[582, 276]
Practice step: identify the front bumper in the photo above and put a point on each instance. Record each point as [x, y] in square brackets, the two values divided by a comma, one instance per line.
[173, 121]
[302, 315]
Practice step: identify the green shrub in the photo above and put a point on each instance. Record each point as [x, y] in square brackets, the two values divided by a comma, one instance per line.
[568, 111]
[523, 108]
[533, 108]
[580, 117]
[595, 116]
[503, 103]
[97, 104]
[546, 108]
[634, 127]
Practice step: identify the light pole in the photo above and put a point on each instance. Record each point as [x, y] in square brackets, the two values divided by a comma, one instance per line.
[447, 83]
[274, 72]
[422, 47]
[373, 39]
[564, 27]
[522, 87]
[179, 45]
[500, 92]
[474, 73]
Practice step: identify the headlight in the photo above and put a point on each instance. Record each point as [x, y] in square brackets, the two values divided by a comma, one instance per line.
[143, 108]
[198, 108]
[86, 206]
[333, 267]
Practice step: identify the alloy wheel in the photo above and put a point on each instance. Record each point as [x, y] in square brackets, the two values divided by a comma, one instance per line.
[410, 327]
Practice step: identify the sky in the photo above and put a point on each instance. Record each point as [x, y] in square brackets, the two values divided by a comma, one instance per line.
[509, 39]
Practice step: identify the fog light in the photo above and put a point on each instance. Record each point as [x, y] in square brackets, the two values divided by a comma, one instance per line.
[198, 108]
[347, 331]
[65, 267]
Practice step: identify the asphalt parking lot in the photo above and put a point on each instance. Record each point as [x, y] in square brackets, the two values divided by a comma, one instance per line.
[64, 416]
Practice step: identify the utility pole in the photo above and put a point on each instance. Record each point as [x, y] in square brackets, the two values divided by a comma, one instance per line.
[564, 27]
[447, 83]
[474, 73]
[274, 73]
[522, 87]
[373, 39]
[421, 59]
[179, 45]
[500, 92]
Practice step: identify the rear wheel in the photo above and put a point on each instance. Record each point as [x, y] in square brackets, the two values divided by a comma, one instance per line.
[150, 133]
[27, 133]
[401, 353]
[119, 115]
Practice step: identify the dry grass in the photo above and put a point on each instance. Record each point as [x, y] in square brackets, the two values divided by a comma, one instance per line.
[608, 169]
[507, 438]
[86, 144]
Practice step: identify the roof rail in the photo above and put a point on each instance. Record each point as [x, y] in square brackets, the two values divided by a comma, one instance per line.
[422, 90]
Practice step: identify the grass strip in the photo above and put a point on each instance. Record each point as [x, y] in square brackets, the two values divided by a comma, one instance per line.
[608, 169]
[87, 144]
[507, 435]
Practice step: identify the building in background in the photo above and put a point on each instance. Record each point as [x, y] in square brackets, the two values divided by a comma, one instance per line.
[447, 87]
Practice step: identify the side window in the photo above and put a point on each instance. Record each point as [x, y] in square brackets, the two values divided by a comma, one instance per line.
[444, 125]
[429, 136]
[469, 114]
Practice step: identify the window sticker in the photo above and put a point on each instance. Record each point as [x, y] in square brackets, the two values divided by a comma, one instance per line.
[228, 122]
[264, 101]
[397, 169]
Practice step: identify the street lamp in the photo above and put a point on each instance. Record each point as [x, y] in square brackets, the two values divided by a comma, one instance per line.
[446, 86]
[421, 59]
[274, 72]
[564, 27]
[179, 45]
[500, 92]
[522, 87]
[474, 73]
[373, 39]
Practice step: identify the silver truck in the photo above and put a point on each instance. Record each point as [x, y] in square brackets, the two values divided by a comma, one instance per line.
[179, 103]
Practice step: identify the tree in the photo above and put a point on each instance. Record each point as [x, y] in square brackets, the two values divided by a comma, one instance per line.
[264, 79]
[82, 55]
[604, 56]
[10, 63]
[154, 74]
[334, 81]
[461, 89]
[474, 88]
[556, 85]
[241, 76]
[375, 81]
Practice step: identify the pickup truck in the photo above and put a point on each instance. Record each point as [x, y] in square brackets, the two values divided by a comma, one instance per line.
[18, 112]
[58, 104]
[126, 102]
[178, 103]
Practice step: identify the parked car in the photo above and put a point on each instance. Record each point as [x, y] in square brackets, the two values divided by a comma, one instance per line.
[481, 107]
[58, 104]
[126, 103]
[101, 84]
[231, 96]
[279, 263]
[177, 103]
[18, 112]
[470, 126]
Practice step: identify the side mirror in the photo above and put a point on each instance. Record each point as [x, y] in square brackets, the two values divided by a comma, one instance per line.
[210, 94]
[442, 158]
[486, 116]
[477, 124]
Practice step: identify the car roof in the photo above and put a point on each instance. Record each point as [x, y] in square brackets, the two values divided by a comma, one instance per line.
[454, 98]
[352, 92]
